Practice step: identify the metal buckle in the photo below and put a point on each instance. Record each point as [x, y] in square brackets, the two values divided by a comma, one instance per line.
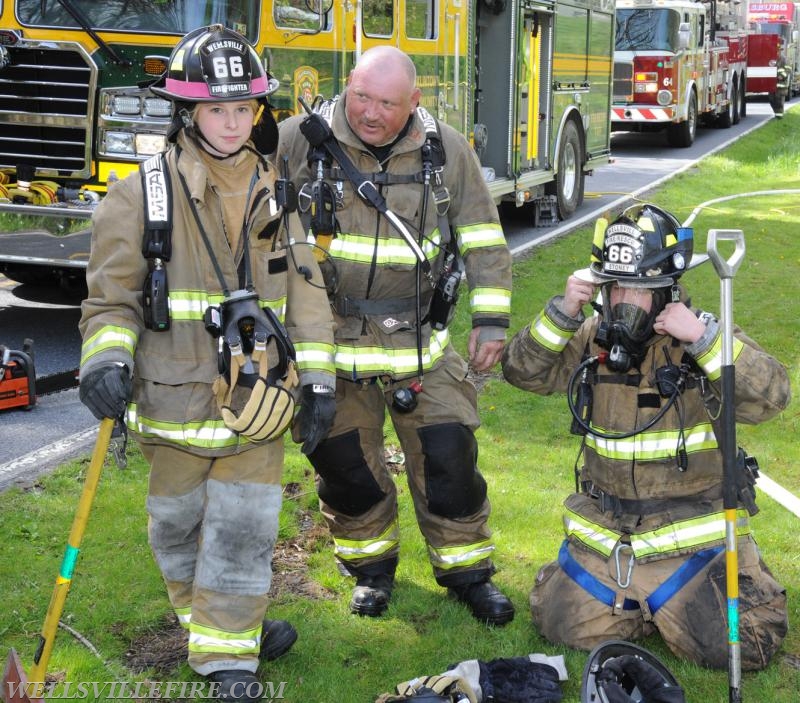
[620, 547]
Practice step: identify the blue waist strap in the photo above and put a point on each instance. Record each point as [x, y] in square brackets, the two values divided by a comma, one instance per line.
[679, 578]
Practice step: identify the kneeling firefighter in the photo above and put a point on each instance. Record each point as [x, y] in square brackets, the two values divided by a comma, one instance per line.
[645, 528]
[205, 309]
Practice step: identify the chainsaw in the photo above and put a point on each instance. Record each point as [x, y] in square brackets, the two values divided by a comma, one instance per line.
[19, 386]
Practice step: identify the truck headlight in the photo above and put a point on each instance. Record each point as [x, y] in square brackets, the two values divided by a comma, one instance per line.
[157, 107]
[119, 143]
[125, 105]
[147, 144]
[664, 97]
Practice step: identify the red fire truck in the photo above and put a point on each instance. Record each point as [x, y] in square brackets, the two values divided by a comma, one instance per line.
[775, 51]
[765, 76]
[677, 63]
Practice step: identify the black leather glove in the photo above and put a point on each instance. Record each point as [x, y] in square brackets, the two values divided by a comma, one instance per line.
[105, 390]
[315, 417]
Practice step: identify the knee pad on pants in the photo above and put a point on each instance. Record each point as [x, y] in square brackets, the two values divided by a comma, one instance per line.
[763, 619]
[454, 487]
[346, 483]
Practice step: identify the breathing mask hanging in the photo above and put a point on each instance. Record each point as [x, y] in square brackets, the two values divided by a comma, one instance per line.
[257, 371]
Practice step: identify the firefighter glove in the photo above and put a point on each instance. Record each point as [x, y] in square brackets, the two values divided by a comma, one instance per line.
[105, 390]
[314, 420]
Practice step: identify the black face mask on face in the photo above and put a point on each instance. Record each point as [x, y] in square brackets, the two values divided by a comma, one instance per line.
[623, 352]
[624, 332]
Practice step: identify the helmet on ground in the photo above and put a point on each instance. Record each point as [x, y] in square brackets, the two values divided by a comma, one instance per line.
[645, 246]
[620, 672]
[214, 64]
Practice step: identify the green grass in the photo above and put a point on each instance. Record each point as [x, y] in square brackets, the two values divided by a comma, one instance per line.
[526, 454]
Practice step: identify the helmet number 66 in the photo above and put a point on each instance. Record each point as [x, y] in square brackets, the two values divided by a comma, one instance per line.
[619, 254]
[221, 64]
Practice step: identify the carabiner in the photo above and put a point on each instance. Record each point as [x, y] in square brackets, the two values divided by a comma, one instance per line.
[620, 547]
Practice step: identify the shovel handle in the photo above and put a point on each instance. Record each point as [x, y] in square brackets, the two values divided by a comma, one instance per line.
[726, 268]
[64, 578]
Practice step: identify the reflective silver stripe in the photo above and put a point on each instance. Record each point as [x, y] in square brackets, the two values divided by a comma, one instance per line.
[592, 535]
[382, 360]
[684, 534]
[483, 235]
[208, 435]
[450, 557]
[109, 337]
[653, 445]
[351, 549]
[544, 331]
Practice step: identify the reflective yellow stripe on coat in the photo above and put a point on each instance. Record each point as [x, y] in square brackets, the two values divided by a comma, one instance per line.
[693, 533]
[205, 434]
[548, 334]
[650, 446]
[711, 360]
[108, 337]
[385, 360]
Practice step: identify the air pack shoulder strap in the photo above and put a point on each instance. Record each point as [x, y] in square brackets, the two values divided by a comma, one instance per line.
[317, 131]
[157, 241]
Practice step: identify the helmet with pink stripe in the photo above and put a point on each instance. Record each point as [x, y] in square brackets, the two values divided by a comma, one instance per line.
[214, 64]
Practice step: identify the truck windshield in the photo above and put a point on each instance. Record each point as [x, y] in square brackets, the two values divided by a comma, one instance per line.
[779, 28]
[641, 30]
[161, 16]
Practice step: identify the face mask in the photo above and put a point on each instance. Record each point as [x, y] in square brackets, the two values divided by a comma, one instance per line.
[628, 315]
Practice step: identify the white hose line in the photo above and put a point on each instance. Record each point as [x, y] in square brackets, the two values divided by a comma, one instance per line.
[778, 493]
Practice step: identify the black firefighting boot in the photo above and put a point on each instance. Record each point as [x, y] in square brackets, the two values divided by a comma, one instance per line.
[371, 594]
[277, 638]
[237, 685]
[485, 601]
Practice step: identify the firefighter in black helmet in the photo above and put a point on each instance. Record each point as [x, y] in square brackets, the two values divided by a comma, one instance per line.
[206, 380]
[644, 542]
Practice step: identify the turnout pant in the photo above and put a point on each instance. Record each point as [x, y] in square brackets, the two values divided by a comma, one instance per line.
[577, 601]
[213, 522]
[358, 496]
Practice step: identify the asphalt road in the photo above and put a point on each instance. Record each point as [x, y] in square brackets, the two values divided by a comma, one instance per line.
[59, 427]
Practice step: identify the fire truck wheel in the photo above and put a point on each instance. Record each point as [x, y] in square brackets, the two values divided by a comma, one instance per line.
[682, 135]
[569, 181]
[727, 118]
[741, 95]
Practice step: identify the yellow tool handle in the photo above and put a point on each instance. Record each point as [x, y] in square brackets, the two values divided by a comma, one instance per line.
[64, 578]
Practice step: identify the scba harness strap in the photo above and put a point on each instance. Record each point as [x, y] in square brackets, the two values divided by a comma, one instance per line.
[256, 355]
[157, 241]
[324, 148]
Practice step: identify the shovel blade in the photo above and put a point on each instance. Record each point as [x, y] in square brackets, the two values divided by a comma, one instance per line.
[15, 682]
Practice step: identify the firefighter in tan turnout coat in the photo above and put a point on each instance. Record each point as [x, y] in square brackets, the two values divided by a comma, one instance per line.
[644, 546]
[393, 349]
[209, 376]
